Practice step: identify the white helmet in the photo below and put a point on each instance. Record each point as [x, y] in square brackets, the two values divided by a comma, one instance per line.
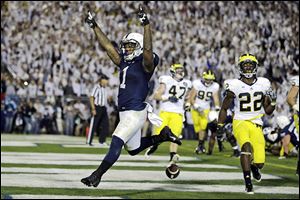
[213, 115]
[282, 121]
[135, 38]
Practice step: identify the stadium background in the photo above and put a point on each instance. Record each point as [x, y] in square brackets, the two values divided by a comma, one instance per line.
[59, 55]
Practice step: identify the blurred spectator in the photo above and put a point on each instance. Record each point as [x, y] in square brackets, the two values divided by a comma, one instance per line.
[48, 39]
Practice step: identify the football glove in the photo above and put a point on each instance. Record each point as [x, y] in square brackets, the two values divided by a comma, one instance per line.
[273, 96]
[142, 16]
[173, 99]
[90, 20]
[220, 131]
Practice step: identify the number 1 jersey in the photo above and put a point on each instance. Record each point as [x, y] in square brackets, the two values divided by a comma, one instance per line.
[134, 81]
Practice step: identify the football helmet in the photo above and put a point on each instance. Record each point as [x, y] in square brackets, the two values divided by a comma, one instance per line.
[282, 121]
[134, 41]
[248, 65]
[177, 71]
[208, 77]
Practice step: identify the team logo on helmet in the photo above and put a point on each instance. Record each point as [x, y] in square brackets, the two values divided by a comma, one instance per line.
[208, 77]
[131, 45]
[248, 65]
[177, 71]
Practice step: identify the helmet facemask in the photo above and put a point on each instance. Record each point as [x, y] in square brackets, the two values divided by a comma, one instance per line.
[248, 65]
[248, 68]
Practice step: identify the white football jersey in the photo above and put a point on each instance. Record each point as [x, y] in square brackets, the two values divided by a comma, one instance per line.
[179, 89]
[295, 82]
[204, 93]
[248, 102]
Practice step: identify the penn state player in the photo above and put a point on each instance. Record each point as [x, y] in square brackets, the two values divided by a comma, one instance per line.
[172, 93]
[137, 63]
[250, 94]
[212, 128]
[287, 132]
[203, 92]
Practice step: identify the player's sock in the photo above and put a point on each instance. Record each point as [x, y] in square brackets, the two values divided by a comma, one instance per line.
[247, 177]
[200, 143]
[172, 155]
[145, 143]
[112, 155]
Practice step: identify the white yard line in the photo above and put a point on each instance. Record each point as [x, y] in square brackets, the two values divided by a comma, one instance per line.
[124, 175]
[17, 144]
[73, 181]
[31, 196]
[95, 157]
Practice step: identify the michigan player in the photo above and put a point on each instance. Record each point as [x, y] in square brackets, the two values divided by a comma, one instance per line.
[253, 97]
[137, 63]
[172, 92]
[293, 101]
[202, 93]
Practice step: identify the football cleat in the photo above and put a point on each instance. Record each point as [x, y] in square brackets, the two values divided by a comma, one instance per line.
[151, 150]
[255, 173]
[175, 158]
[200, 150]
[167, 135]
[249, 189]
[236, 153]
[92, 180]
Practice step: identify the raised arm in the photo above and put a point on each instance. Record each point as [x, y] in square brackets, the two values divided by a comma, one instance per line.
[103, 40]
[147, 46]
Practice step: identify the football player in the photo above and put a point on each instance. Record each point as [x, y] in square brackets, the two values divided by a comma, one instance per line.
[202, 93]
[172, 93]
[212, 128]
[288, 134]
[293, 101]
[137, 63]
[253, 97]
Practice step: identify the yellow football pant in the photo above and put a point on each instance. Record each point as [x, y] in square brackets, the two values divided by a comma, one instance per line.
[173, 120]
[246, 131]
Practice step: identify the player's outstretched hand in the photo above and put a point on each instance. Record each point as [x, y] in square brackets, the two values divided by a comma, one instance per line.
[142, 16]
[90, 20]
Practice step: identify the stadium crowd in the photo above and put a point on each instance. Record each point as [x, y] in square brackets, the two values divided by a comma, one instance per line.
[56, 51]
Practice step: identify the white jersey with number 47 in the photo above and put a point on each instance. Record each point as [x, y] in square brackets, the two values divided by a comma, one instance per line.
[248, 102]
[178, 89]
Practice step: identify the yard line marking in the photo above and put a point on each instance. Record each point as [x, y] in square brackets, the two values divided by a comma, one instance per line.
[124, 175]
[59, 181]
[38, 196]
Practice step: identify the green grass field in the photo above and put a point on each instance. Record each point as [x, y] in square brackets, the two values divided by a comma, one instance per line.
[21, 166]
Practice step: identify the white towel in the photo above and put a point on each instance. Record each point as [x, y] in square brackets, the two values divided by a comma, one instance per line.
[153, 118]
